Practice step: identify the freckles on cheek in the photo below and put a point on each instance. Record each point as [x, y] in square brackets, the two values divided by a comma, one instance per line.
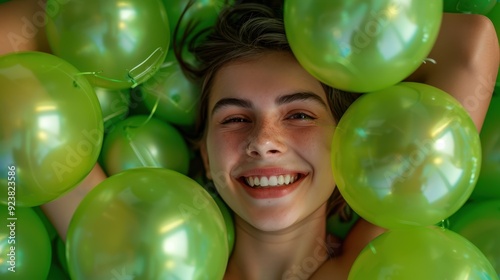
[221, 150]
[314, 140]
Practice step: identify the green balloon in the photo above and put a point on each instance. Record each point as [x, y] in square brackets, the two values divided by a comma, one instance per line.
[171, 96]
[51, 128]
[24, 245]
[481, 7]
[123, 42]
[140, 141]
[202, 12]
[361, 46]
[487, 186]
[228, 219]
[421, 253]
[479, 222]
[494, 16]
[114, 105]
[51, 231]
[339, 227]
[60, 247]
[406, 155]
[147, 223]
[57, 273]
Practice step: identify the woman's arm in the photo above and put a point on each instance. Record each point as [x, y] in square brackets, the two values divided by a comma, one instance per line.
[61, 210]
[22, 26]
[467, 60]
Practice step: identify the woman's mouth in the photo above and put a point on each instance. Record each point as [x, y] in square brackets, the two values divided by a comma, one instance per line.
[274, 186]
[271, 181]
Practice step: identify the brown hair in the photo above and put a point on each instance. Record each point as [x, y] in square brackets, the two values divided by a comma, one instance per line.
[244, 31]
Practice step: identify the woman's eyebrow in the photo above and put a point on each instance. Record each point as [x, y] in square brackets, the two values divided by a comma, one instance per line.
[300, 96]
[243, 103]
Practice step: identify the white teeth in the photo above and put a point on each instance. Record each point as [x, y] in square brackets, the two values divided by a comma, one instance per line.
[264, 182]
[281, 180]
[287, 179]
[271, 181]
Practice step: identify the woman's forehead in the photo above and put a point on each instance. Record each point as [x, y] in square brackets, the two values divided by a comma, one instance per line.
[270, 73]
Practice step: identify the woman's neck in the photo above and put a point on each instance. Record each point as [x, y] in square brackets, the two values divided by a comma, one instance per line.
[293, 253]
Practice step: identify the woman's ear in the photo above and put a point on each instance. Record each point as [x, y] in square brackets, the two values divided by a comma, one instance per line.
[204, 156]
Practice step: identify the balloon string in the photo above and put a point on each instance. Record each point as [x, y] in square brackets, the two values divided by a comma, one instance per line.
[166, 64]
[146, 73]
[142, 153]
[431, 60]
[96, 74]
[145, 156]
[150, 116]
[142, 74]
[115, 114]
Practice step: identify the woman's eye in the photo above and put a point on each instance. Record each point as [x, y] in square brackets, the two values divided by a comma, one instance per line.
[234, 120]
[301, 116]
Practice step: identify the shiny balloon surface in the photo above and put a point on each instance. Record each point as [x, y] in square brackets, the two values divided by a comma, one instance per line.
[361, 46]
[421, 253]
[51, 127]
[120, 43]
[407, 155]
[147, 223]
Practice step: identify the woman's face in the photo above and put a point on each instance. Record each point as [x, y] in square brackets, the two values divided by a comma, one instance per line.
[267, 147]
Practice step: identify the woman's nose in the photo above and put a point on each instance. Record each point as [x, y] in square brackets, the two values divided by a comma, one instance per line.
[266, 140]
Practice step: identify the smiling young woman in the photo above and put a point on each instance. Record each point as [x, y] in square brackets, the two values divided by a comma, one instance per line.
[266, 127]
[265, 132]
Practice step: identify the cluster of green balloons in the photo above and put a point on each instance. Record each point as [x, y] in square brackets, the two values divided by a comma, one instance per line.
[69, 109]
[407, 167]
[479, 219]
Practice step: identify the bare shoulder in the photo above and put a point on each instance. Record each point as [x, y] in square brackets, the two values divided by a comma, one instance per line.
[358, 238]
